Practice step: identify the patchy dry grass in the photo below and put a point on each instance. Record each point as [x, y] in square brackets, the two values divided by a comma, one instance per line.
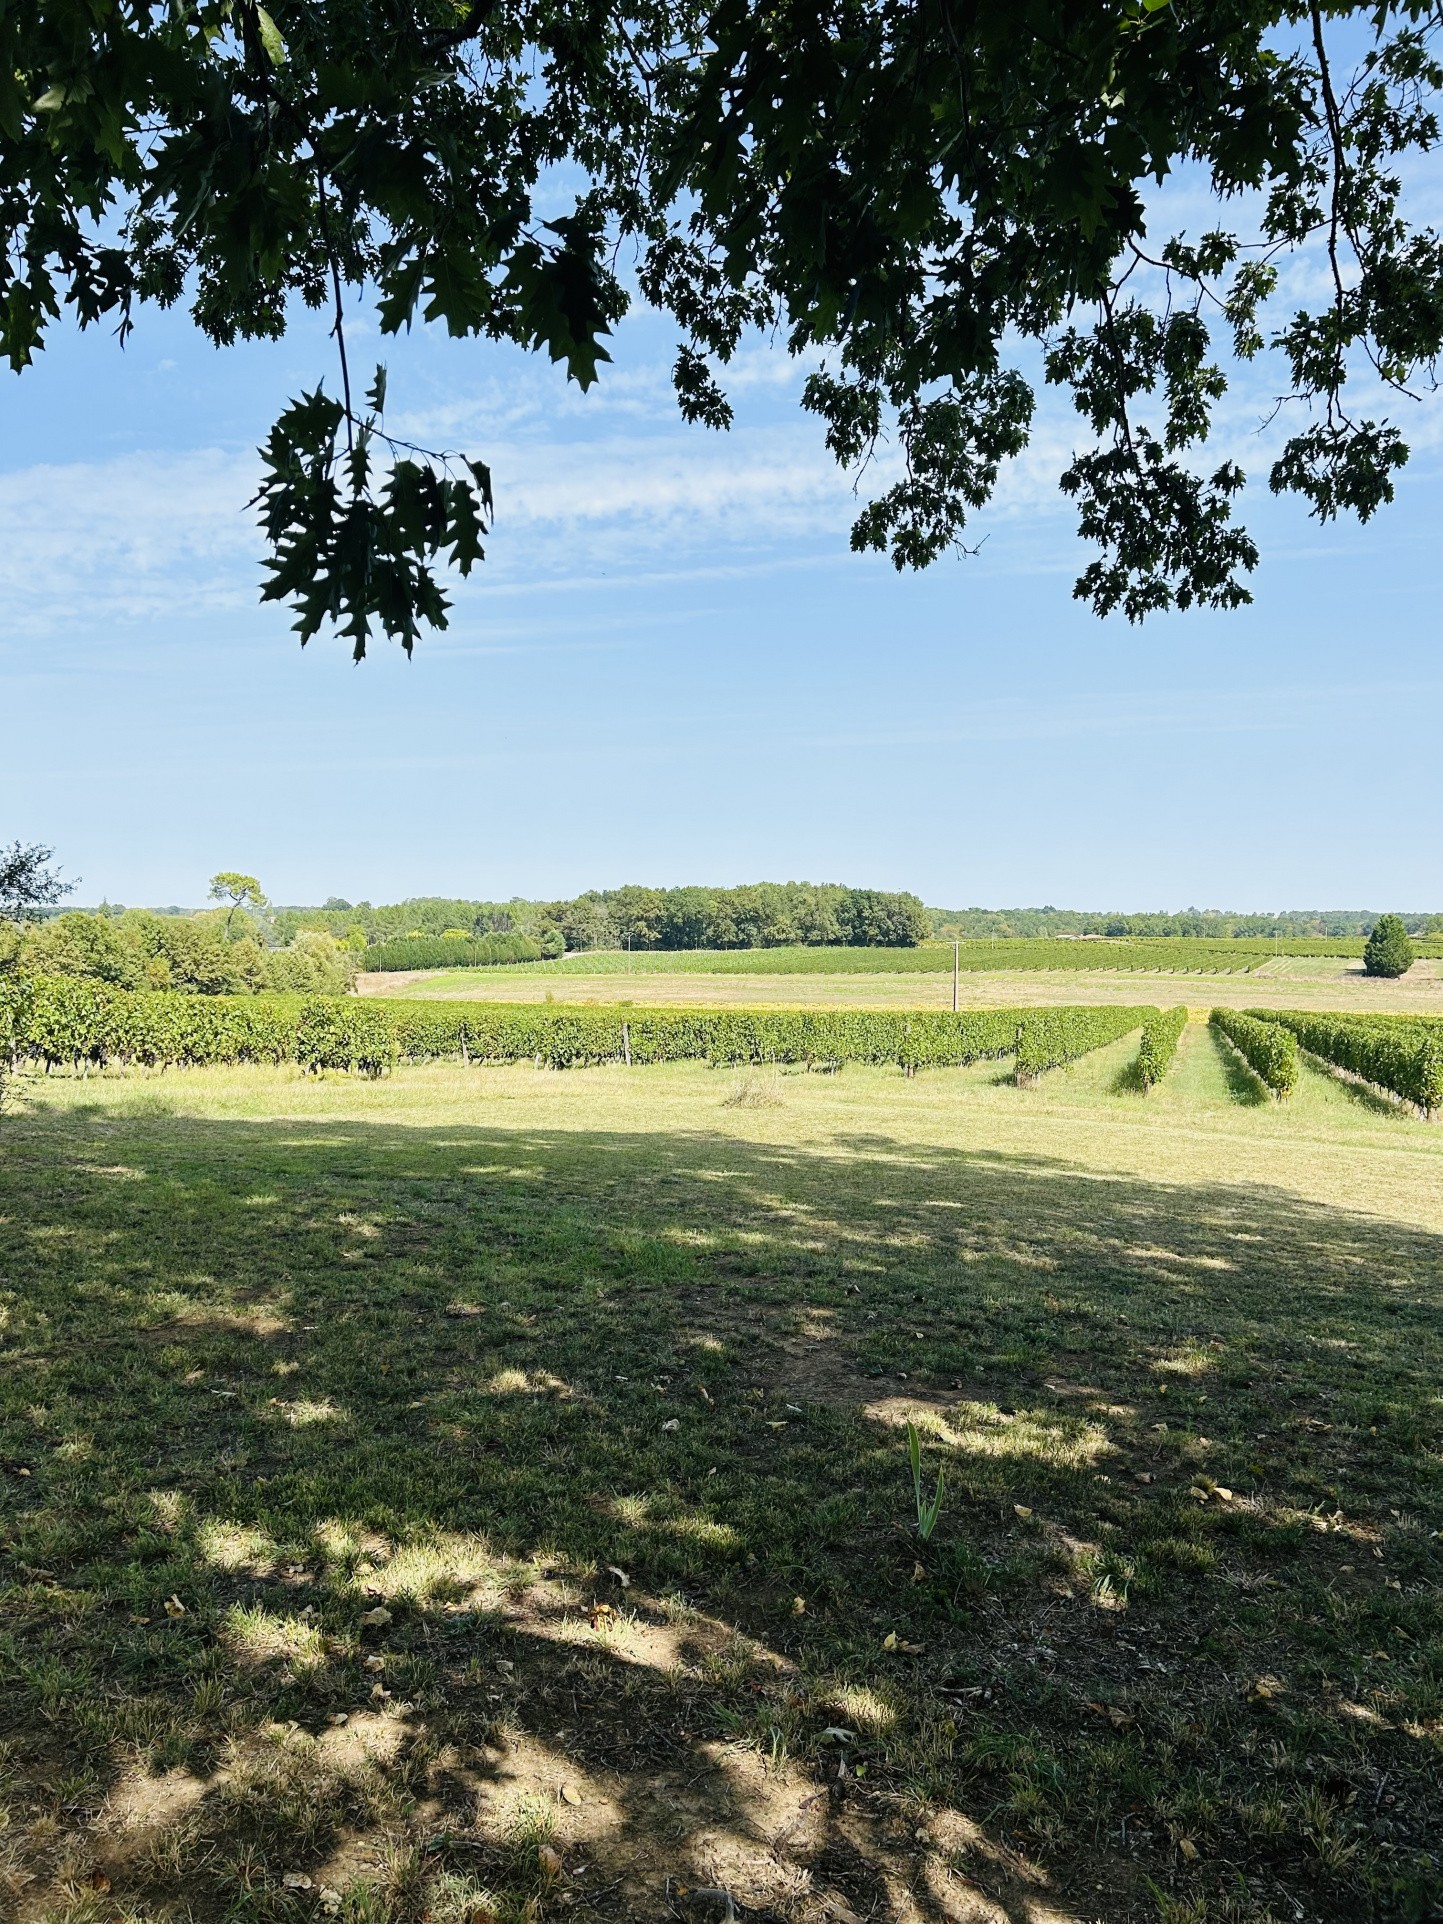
[484, 1495]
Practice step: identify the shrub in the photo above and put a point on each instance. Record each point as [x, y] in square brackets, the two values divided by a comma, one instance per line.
[1159, 1045]
[1389, 950]
[1268, 1049]
[1401, 1054]
[313, 964]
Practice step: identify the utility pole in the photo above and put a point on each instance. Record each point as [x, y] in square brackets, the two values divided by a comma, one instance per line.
[956, 965]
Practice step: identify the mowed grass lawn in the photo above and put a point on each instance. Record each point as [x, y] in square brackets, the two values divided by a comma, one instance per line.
[484, 1494]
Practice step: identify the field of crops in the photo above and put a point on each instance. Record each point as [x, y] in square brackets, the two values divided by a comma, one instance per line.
[1165, 955]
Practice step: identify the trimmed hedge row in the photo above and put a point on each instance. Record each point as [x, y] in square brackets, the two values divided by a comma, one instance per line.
[1397, 1053]
[1047, 1038]
[1159, 1044]
[58, 1020]
[1267, 1048]
[451, 952]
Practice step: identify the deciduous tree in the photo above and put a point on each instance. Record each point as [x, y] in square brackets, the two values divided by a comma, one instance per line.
[917, 195]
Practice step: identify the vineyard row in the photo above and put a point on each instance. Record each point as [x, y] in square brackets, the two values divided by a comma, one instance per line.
[58, 1021]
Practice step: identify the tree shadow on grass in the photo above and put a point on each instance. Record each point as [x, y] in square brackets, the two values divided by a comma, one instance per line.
[568, 1471]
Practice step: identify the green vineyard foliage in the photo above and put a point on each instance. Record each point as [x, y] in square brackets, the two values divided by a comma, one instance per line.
[1155, 1052]
[58, 1020]
[1403, 1054]
[1049, 1038]
[1269, 1050]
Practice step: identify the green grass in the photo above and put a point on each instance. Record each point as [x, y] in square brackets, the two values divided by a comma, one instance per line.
[450, 1345]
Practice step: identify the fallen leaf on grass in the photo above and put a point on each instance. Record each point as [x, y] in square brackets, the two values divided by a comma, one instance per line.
[549, 1860]
[1119, 1718]
[1262, 1689]
[837, 1734]
[672, 1424]
[1187, 1849]
[570, 1794]
[893, 1642]
[174, 1607]
[1021, 1509]
[602, 1616]
[799, 1606]
[376, 1619]
[296, 1881]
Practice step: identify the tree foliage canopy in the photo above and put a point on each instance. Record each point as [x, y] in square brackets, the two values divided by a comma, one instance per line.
[918, 195]
[1389, 949]
[27, 882]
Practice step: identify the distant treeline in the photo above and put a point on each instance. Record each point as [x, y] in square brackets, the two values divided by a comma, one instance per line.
[1208, 924]
[766, 915]
[762, 915]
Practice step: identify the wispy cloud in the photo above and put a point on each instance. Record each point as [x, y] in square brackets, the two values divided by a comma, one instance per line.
[607, 485]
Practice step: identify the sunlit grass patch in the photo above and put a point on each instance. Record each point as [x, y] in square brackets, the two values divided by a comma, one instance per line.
[982, 1430]
[254, 1634]
[303, 1412]
[229, 1546]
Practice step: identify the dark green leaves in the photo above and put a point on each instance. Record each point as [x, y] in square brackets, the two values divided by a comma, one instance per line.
[564, 298]
[1167, 535]
[352, 544]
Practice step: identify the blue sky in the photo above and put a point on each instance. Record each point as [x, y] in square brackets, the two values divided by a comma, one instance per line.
[671, 667]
